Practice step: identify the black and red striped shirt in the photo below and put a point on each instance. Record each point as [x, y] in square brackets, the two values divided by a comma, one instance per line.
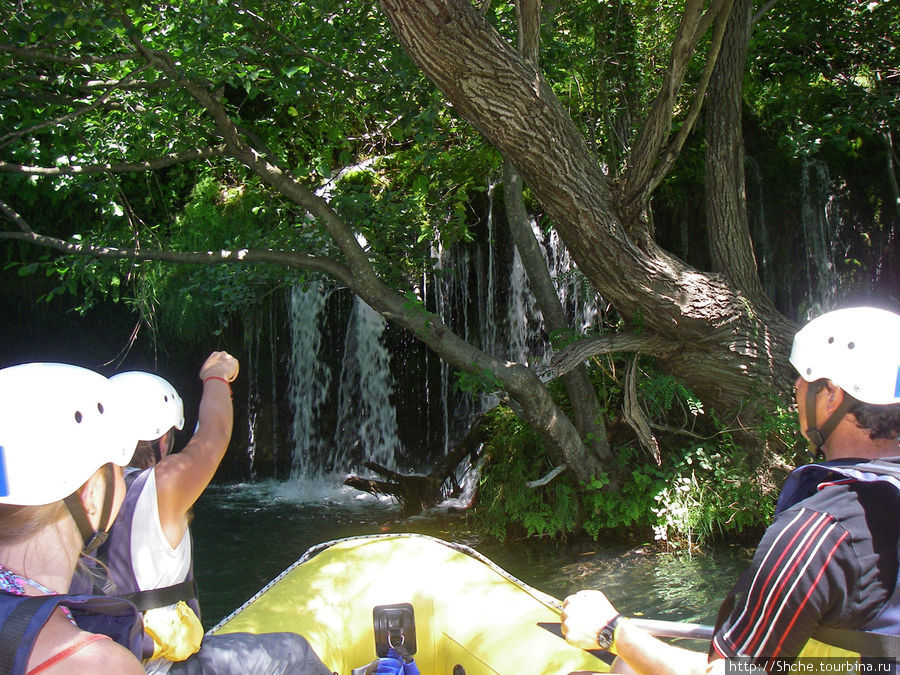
[830, 560]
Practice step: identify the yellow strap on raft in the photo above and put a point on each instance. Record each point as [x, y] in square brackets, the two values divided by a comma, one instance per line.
[176, 631]
[814, 650]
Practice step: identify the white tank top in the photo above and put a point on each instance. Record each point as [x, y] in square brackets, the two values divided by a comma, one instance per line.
[156, 563]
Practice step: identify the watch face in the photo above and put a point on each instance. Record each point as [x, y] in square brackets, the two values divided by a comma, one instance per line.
[605, 636]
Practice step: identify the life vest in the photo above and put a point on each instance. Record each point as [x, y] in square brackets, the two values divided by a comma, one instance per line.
[882, 634]
[176, 635]
[22, 617]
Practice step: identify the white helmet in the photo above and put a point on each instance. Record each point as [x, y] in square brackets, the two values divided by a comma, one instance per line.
[153, 404]
[856, 348]
[58, 424]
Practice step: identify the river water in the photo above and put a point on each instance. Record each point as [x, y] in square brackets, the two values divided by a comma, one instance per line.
[245, 534]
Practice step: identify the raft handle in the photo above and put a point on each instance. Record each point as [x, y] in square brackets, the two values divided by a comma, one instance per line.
[393, 623]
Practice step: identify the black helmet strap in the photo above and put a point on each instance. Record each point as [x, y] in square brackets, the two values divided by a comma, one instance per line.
[817, 436]
[93, 539]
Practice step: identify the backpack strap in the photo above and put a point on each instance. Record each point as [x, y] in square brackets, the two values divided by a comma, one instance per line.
[13, 630]
[161, 597]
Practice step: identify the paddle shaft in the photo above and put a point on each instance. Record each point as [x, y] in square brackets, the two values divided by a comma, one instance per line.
[669, 629]
[674, 629]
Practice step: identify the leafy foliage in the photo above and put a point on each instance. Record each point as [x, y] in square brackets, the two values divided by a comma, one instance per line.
[328, 96]
[702, 492]
[516, 456]
[816, 78]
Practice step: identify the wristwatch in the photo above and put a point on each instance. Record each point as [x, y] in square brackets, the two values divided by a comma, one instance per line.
[606, 634]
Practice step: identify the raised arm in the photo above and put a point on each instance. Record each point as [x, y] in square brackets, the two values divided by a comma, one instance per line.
[182, 477]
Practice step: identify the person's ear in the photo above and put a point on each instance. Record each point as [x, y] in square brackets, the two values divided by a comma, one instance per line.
[92, 496]
[834, 396]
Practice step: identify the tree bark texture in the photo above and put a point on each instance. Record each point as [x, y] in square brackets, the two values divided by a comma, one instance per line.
[580, 389]
[729, 346]
[726, 204]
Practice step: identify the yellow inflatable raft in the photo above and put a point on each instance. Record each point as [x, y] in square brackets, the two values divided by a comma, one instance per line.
[460, 612]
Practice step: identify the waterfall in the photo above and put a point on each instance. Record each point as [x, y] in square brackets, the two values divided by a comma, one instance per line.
[451, 294]
[260, 368]
[519, 312]
[251, 349]
[466, 298]
[310, 379]
[341, 386]
[579, 300]
[367, 421]
[487, 287]
[756, 216]
[339, 422]
[529, 342]
[820, 219]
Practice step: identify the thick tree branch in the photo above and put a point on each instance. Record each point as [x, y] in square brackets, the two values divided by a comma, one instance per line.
[765, 8]
[674, 149]
[659, 121]
[11, 213]
[707, 20]
[579, 352]
[292, 259]
[125, 167]
[651, 163]
[528, 13]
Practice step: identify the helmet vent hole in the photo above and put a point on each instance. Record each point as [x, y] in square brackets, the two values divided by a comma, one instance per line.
[99, 407]
[809, 371]
[851, 345]
[78, 417]
[831, 340]
[166, 398]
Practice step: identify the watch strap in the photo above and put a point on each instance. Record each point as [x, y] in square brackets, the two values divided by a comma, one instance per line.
[606, 634]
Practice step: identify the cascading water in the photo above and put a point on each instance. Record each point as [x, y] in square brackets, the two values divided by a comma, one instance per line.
[310, 379]
[520, 314]
[339, 423]
[367, 421]
[262, 374]
[450, 286]
[756, 216]
[528, 339]
[821, 220]
[342, 387]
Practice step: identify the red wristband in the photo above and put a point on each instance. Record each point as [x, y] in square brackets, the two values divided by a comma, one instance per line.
[216, 377]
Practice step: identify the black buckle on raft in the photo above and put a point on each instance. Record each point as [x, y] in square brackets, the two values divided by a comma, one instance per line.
[395, 626]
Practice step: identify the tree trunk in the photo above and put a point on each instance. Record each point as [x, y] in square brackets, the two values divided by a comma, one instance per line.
[580, 389]
[731, 346]
[726, 203]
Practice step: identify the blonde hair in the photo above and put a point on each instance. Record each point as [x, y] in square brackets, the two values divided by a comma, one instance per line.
[149, 453]
[18, 523]
[21, 522]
